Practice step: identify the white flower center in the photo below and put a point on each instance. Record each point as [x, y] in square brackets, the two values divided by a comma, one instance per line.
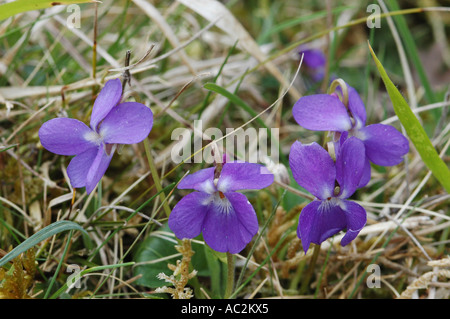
[93, 137]
[330, 202]
[220, 202]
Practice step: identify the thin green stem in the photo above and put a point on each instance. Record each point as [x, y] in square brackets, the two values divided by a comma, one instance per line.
[155, 176]
[310, 271]
[230, 275]
[52, 281]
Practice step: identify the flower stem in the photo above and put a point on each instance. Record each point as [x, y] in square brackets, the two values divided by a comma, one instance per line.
[310, 271]
[230, 275]
[155, 176]
[94, 50]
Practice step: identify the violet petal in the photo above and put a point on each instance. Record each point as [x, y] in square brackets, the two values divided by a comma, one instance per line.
[313, 169]
[108, 97]
[202, 181]
[313, 58]
[186, 218]
[319, 220]
[350, 166]
[65, 136]
[321, 112]
[356, 107]
[384, 144]
[78, 167]
[230, 223]
[356, 219]
[98, 168]
[239, 175]
[127, 123]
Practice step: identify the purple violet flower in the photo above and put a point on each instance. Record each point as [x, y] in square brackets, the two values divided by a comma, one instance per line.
[225, 217]
[384, 144]
[314, 169]
[315, 60]
[94, 146]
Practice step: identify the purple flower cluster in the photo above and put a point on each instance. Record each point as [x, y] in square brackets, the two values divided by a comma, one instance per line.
[216, 209]
[334, 181]
[111, 123]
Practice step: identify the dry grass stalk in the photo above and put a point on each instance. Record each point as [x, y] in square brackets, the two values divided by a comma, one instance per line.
[424, 281]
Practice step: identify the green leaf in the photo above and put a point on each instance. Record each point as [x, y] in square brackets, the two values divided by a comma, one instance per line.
[41, 235]
[415, 130]
[154, 248]
[12, 8]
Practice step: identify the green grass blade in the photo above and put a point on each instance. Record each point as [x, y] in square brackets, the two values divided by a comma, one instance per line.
[236, 100]
[414, 129]
[12, 8]
[411, 50]
[297, 21]
[41, 235]
[87, 271]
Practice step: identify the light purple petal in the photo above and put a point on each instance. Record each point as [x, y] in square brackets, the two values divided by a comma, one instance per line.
[98, 168]
[65, 136]
[350, 166]
[202, 181]
[127, 123]
[230, 223]
[356, 219]
[186, 218]
[313, 58]
[384, 144]
[313, 169]
[319, 220]
[108, 97]
[240, 175]
[321, 112]
[78, 167]
[356, 107]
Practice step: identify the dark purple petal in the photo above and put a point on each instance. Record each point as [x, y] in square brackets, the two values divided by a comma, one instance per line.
[365, 178]
[350, 166]
[321, 112]
[319, 220]
[239, 175]
[127, 123]
[186, 218]
[98, 168]
[66, 136]
[356, 219]
[356, 107]
[313, 169]
[108, 97]
[384, 144]
[202, 181]
[230, 223]
[78, 167]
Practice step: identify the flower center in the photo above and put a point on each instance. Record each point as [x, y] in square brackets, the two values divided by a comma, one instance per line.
[326, 204]
[94, 137]
[220, 202]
